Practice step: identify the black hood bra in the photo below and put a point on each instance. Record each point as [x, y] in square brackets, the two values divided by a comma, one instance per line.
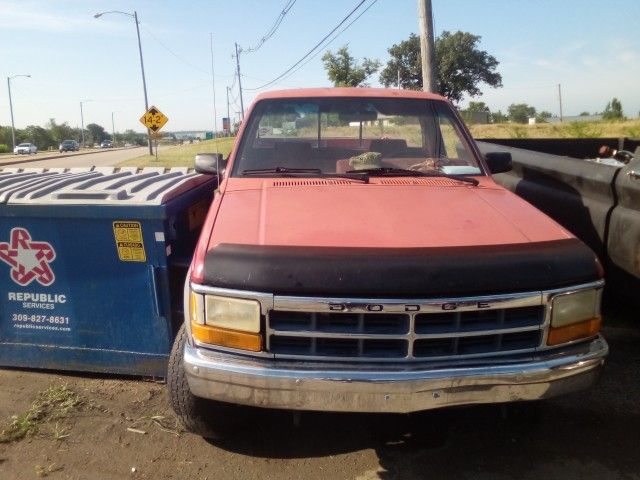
[401, 273]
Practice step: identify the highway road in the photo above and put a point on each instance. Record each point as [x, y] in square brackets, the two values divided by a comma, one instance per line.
[101, 158]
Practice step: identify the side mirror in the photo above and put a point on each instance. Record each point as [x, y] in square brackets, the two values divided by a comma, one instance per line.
[209, 163]
[498, 162]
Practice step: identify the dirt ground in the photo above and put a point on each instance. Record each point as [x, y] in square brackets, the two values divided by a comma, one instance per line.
[114, 427]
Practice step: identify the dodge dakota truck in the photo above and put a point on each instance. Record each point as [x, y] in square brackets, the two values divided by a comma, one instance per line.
[358, 257]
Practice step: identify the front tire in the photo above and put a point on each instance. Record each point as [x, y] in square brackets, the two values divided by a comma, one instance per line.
[206, 418]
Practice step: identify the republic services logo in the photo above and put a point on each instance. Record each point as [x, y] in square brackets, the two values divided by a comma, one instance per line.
[28, 260]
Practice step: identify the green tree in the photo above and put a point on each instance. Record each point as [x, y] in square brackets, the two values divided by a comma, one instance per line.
[584, 114]
[405, 58]
[5, 135]
[345, 71]
[613, 110]
[498, 117]
[37, 135]
[543, 117]
[476, 112]
[520, 112]
[60, 132]
[478, 107]
[96, 133]
[461, 65]
[132, 137]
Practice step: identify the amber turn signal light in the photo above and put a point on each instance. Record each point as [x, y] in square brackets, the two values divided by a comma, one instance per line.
[227, 338]
[575, 331]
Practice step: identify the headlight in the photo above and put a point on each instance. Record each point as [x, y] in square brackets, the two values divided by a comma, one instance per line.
[575, 307]
[232, 313]
[225, 321]
[575, 316]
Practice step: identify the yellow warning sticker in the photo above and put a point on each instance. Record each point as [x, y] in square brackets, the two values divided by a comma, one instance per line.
[129, 241]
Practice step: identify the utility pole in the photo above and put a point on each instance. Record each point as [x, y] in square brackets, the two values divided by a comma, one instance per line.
[398, 79]
[213, 87]
[13, 128]
[239, 81]
[228, 116]
[82, 124]
[560, 100]
[427, 48]
[113, 130]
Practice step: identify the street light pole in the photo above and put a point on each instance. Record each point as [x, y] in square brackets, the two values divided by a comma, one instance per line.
[82, 120]
[113, 129]
[82, 124]
[144, 80]
[13, 128]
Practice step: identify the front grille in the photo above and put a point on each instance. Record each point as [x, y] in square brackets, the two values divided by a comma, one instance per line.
[383, 335]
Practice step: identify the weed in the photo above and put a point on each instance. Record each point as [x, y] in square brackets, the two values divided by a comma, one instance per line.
[632, 131]
[582, 130]
[181, 155]
[54, 403]
[43, 471]
[60, 432]
[518, 131]
[167, 425]
[629, 128]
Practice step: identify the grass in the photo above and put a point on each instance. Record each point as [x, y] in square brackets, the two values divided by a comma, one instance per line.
[599, 129]
[181, 155]
[51, 405]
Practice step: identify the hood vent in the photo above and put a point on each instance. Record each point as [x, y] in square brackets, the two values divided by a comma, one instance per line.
[433, 182]
[311, 183]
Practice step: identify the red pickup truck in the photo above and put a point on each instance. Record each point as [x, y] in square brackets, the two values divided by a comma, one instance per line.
[358, 257]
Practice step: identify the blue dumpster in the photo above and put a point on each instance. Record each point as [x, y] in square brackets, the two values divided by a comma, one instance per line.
[87, 262]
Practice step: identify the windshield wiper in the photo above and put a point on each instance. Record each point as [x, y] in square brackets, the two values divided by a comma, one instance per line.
[316, 172]
[403, 172]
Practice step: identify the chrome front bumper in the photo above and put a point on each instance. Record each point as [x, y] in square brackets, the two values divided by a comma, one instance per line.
[388, 388]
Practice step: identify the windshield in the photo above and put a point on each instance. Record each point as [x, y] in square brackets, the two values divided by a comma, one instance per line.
[338, 135]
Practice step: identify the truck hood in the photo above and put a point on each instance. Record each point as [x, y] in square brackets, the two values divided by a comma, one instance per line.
[410, 238]
[385, 214]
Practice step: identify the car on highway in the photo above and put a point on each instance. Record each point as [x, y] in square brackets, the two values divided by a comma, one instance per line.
[68, 146]
[25, 148]
[106, 144]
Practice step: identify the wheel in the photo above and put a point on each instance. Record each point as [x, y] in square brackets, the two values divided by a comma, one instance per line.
[206, 418]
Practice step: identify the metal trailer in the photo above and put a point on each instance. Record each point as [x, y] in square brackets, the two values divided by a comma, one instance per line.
[87, 258]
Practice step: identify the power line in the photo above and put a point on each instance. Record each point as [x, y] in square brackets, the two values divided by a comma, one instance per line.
[273, 28]
[330, 41]
[312, 50]
[182, 59]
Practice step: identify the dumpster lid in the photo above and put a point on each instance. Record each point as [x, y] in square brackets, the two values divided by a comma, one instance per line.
[104, 185]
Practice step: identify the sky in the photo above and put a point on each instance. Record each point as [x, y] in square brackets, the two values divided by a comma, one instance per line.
[590, 47]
